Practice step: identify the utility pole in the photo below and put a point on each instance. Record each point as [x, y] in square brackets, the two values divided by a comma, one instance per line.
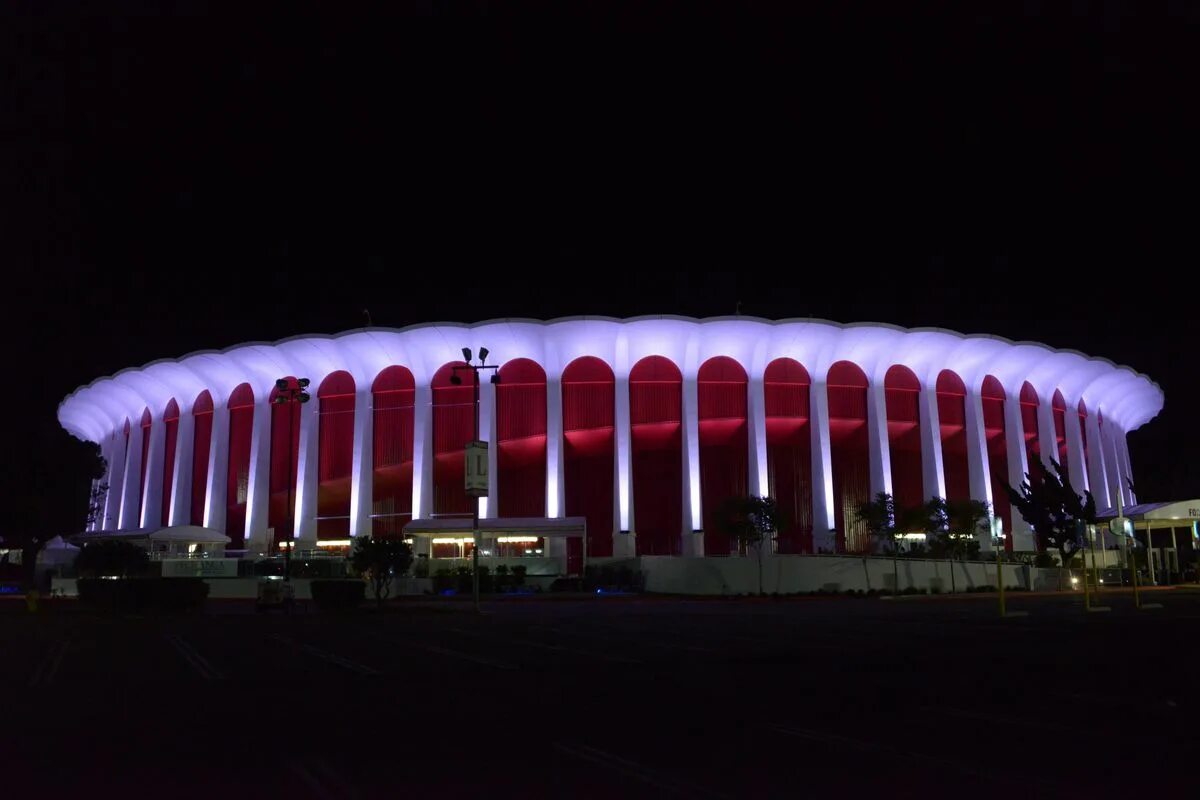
[472, 459]
[293, 392]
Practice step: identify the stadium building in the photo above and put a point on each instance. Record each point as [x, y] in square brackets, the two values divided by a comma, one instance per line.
[633, 431]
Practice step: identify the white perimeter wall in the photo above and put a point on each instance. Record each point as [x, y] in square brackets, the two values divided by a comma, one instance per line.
[787, 574]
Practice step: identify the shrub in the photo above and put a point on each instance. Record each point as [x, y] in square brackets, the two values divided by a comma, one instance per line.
[1044, 560]
[338, 595]
[111, 557]
[142, 594]
[444, 580]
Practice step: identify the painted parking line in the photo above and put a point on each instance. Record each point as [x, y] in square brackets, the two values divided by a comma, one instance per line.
[322, 780]
[842, 742]
[636, 771]
[326, 656]
[442, 651]
[613, 634]
[545, 646]
[193, 659]
[47, 668]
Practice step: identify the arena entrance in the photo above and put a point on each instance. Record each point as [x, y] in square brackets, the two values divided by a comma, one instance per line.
[544, 546]
[1170, 531]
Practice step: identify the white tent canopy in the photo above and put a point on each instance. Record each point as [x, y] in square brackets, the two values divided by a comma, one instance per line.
[189, 534]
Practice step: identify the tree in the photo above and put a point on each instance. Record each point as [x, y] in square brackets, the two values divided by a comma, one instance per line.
[752, 522]
[99, 490]
[380, 559]
[879, 517]
[1057, 515]
[953, 526]
[111, 558]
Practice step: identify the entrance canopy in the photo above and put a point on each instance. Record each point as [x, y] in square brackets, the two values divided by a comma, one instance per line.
[501, 526]
[1181, 513]
[189, 534]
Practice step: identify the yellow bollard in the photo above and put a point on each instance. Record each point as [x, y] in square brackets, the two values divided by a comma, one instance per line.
[1000, 581]
[31, 600]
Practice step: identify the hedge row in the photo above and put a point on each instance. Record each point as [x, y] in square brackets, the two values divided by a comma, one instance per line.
[142, 594]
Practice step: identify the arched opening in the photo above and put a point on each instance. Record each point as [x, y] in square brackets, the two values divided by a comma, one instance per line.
[453, 428]
[656, 434]
[997, 446]
[521, 439]
[846, 385]
[146, 423]
[952, 417]
[171, 424]
[336, 459]
[237, 485]
[902, 393]
[394, 399]
[789, 452]
[1029, 426]
[1058, 407]
[202, 423]
[589, 439]
[285, 463]
[724, 459]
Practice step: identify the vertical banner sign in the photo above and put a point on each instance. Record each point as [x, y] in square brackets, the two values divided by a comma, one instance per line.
[477, 469]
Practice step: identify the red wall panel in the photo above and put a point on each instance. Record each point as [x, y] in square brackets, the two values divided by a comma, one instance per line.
[589, 427]
[724, 447]
[655, 410]
[789, 452]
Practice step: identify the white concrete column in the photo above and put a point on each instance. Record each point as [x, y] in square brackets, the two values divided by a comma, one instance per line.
[978, 461]
[217, 484]
[1077, 469]
[422, 500]
[1126, 465]
[556, 498]
[756, 405]
[181, 471]
[489, 506]
[362, 468]
[1116, 486]
[1097, 479]
[1047, 438]
[133, 479]
[1018, 466]
[822, 469]
[258, 492]
[933, 471]
[152, 499]
[879, 445]
[624, 543]
[307, 476]
[693, 519]
[116, 481]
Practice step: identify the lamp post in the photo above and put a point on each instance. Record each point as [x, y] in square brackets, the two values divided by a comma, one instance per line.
[292, 392]
[475, 369]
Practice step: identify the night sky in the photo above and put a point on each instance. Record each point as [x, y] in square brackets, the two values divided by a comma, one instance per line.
[184, 178]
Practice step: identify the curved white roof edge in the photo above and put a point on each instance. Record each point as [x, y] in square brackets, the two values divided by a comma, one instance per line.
[1128, 398]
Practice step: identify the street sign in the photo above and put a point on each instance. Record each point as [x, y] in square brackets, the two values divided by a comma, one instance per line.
[1121, 526]
[477, 469]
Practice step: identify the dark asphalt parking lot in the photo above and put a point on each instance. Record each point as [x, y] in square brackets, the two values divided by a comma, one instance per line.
[607, 697]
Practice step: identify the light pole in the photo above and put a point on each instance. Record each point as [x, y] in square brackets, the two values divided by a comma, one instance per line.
[291, 391]
[456, 380]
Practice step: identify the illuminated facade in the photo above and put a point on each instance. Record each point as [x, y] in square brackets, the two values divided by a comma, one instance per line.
[641, 426]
